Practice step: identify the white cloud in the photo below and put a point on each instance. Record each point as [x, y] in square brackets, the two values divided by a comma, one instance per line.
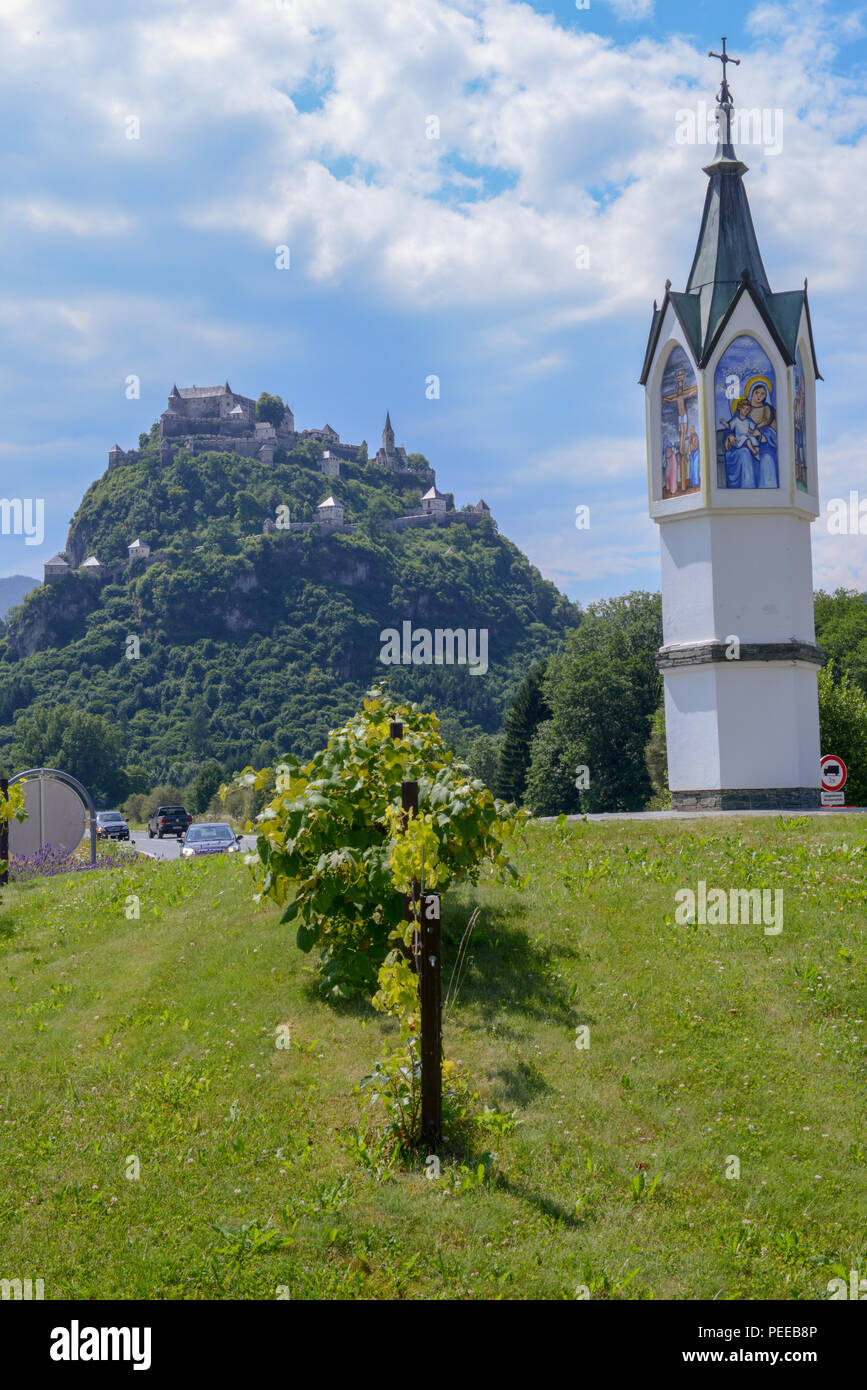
[621, 543]
[52, 215]
[595, 462]
[337, 161]
[840, 561]
[82, 328]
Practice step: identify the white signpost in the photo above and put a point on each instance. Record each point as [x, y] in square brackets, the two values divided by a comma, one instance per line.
[834, 774]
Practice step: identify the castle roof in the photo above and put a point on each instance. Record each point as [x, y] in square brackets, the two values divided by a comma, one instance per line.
[432, 493]
[329, 502]
[58, 560]
[387, 420]
[188, 393]
[482, 506]
[92, 563]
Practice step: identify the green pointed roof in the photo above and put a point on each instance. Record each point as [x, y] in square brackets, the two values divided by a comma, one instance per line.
[727, 244]
[727, 264]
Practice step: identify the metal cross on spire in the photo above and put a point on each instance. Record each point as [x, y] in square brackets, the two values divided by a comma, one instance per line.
[724, 94]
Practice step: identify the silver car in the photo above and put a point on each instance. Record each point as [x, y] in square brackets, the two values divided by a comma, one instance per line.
[213, 837]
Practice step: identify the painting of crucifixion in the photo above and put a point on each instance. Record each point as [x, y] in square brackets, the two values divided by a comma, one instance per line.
[680, 448]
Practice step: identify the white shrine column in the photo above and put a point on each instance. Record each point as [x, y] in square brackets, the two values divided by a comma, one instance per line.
[730, 376]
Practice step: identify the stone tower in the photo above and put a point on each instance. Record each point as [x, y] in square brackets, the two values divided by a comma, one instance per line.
[730, 379]
[391, 456]
[388, 435]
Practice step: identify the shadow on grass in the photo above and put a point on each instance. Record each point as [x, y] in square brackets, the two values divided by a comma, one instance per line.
[501, 967]
[520, 1084]
[350, 1005]
[522, 1193]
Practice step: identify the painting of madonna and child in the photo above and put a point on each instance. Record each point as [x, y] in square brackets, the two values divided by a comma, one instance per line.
[746, 430]
[681, 463]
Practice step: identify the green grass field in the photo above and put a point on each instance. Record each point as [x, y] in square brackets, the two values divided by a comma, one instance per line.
[148, 1046]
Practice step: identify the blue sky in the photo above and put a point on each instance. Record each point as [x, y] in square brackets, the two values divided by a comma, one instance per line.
[303, 124]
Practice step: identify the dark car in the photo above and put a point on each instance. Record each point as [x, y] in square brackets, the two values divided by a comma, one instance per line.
[110, 825]
[169, 820]
[214, 837]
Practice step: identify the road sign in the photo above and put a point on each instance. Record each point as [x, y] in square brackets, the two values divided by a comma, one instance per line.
[55, 816]
[834, 774]
[833, 798]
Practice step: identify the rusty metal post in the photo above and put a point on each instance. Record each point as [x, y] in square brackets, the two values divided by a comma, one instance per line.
[4, 835]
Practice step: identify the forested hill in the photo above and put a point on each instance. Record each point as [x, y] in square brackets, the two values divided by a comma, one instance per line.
[252, 644]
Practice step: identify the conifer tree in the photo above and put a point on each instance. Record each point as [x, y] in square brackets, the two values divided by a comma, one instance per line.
[528, 711]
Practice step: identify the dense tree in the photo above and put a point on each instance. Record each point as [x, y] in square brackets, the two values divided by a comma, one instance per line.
[551, 776]
[843, 730]
[270, 409]
[206, 786]
[656, 761]
[85, 745]
[138, 780]
[528, 711]
[603, 691]
[482, 755]
[841, 629]
[197, 727]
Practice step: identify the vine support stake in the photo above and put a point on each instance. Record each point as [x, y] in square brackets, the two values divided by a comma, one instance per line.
[431, 991]
[424, 911]
[4, 834]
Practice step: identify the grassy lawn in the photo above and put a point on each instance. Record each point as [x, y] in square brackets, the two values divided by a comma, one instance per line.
[148, 1045]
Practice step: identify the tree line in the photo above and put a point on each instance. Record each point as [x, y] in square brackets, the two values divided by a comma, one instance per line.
[585, 731]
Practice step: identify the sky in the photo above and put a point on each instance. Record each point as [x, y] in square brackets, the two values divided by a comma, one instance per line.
[432, 167]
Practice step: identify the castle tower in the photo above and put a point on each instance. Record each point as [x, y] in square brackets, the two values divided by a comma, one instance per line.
[329, 514]
[730, 375]
[434, 502]
[388, 435]
[390, 456]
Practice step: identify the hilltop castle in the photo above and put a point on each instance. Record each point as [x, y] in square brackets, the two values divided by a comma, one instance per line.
[199, 418]
[203, 418]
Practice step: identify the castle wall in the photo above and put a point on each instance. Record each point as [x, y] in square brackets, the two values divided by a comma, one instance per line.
[119, 456]
[400, 523]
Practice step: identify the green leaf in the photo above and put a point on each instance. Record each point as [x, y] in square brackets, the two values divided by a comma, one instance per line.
[306, 937]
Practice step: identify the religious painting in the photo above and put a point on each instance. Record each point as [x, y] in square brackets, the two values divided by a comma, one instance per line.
[680, 450]
[800, 424]
[746, 411]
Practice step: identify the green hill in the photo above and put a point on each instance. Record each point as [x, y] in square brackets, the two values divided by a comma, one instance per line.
[252, 644]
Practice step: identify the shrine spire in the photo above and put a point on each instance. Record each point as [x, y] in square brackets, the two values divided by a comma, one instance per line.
[728, 250]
